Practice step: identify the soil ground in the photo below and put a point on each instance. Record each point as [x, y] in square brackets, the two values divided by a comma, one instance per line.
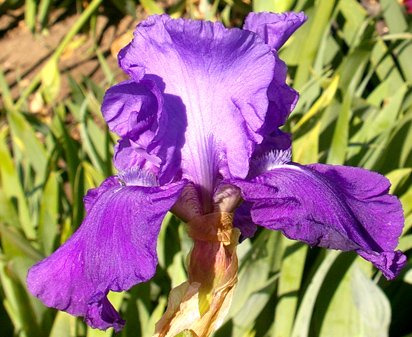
[23, 53]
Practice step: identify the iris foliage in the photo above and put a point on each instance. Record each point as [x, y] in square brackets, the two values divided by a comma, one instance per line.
[353, 71]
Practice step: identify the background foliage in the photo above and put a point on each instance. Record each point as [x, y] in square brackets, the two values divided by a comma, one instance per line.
[351, 63]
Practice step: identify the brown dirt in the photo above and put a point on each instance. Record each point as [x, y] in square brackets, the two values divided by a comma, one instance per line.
[24, 54]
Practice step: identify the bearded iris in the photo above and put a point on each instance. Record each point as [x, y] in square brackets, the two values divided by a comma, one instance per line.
[198, 122]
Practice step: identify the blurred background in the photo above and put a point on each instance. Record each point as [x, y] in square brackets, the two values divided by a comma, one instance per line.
[351, 63]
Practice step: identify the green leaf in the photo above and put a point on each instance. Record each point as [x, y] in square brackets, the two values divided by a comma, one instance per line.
[304, 314]
[356, 60]
[372, 304]
[26, 144]
[394, 18]
[276, 6]
[43, 12]
[151, 7]
[288, 289]
[17, 303]
[12, 190]
[49, 214]
[63, 326]
[317, 25]
[15, 244]
[5, 92]
[256, 281]
[397, 177]
[324, 100]
[306, 148]
[51, 82]
[30, 14]
[358, 308]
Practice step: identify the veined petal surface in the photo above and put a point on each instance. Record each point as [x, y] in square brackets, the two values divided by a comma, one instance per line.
[114, 249]
[335, 207]
[221, 76]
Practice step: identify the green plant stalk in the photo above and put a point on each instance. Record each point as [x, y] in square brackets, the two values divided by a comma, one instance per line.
[290, 281]
[5, 90]
[43, 12]
[319, 23]
[303, 317]
[60, 49]
[30, 14]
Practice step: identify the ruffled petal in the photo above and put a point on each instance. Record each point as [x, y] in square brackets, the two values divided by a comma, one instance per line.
[132, 108]
[274, 28]
[220, 75]
[282, 99]
[114, 249]
[149, 139]
[335, 207]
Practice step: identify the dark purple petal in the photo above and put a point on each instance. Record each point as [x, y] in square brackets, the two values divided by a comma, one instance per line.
[221, 77]
[94, 193]
[150, 140]
[274, 28]
[114, 249]
[282, 99]
[335, 207]
[133, 153]
[277, 140]
[243, 220]
[102, 315]
[132, 108]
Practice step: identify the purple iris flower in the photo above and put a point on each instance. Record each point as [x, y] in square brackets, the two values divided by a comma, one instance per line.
[198, 123]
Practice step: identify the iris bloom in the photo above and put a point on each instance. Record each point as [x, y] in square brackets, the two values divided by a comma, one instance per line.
[198, 122]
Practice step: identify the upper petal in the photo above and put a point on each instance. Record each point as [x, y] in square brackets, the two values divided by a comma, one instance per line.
[114, 249]
[130, 107]
[220, 75]
[149, 139]
[282, 101]
[336, 207]
[282, 98]
[274, 28]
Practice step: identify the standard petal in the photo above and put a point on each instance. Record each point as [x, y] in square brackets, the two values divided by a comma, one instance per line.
[282, 99]
[335, 207]
[149, 139]
[130, 107]
[220, 75]
[114, 249]
[274, 28]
